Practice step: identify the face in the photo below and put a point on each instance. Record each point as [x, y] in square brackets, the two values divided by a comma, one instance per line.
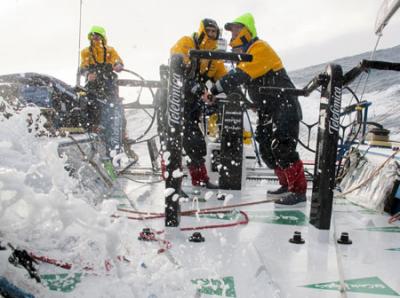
[95, 36]
[235, 29]
[211, 32]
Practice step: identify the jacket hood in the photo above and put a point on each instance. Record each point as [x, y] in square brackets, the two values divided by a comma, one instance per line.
[246, 20]
[98, 30]
[243, 38]
[201, 37]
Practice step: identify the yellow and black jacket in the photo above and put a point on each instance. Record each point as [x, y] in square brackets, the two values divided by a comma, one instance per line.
[266, 69]
[99, 53]
[100, 58]
[205, 70]
[208, 69]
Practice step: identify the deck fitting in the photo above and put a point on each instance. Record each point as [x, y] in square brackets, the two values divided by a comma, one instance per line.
[196, 237]
[344, 239]
[297, 238]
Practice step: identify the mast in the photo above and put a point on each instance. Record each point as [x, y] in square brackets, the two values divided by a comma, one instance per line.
[385, 13]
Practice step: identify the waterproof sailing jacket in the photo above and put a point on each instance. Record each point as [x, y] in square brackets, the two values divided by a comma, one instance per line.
[99, 53]
[204, 71]
[100, 59]
[265, 70]
[208, 69]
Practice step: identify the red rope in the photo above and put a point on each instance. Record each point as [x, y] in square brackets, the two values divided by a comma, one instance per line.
[51, 261]
[165, 243]
[242, 222]
[189, 212]
[245, 221]
[107, 263]
[168, 245]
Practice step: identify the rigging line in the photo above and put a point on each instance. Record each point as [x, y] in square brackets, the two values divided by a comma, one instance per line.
[85, 158]
[354, 96]
[148, 114]
[373, 174]
[79, 43]
[153, 117]
[139, 181]
[371, 58]
[167, 253]
[367, 76]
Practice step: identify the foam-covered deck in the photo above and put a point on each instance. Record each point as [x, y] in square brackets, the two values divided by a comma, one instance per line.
[257, 260]
[246, 252]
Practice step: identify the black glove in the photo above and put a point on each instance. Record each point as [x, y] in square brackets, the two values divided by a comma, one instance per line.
[195, 88]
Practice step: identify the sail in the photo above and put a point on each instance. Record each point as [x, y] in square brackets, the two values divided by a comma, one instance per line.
[387, 10]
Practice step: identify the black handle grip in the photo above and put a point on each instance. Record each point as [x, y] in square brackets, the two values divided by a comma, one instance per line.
[217, 55]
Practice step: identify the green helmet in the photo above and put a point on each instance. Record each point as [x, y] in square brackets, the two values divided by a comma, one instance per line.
[98, 30]
[246, 20]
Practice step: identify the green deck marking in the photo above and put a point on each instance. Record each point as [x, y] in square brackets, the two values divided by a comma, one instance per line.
[368, 285]
[340, 202]
[224, 286]
[394, 249]
[278, 217]
[282, 217]
[63, 282]
[383, 229]
[368, 211]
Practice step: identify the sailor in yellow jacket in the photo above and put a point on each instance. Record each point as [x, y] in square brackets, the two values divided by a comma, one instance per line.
[279, 116]
[193, 140]
[99, 64]
[99, 55]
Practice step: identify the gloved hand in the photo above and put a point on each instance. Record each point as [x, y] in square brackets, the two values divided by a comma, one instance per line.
[92, 76]
[208, 98]
[118, 67]
[195, 88]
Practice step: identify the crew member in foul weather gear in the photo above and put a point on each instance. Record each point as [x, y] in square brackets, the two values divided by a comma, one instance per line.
[278, 117]
[99, 63]
[193, 139]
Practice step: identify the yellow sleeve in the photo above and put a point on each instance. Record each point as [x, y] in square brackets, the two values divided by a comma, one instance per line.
[220, 70]
[183, 46]
[85, 61]
[114, 57]
[264, 60]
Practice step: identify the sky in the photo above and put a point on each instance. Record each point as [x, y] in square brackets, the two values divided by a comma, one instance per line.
[43, 35]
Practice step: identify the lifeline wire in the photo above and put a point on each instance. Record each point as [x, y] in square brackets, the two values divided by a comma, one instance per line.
[79, 44]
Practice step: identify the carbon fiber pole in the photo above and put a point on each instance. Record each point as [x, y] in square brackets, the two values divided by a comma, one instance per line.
[231, 144]
[173, 153]
[327, 144]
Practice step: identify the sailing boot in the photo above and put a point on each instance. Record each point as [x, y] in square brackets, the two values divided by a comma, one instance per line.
[283, 189]
[204, 179]
[297, 186]
[200, 177]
